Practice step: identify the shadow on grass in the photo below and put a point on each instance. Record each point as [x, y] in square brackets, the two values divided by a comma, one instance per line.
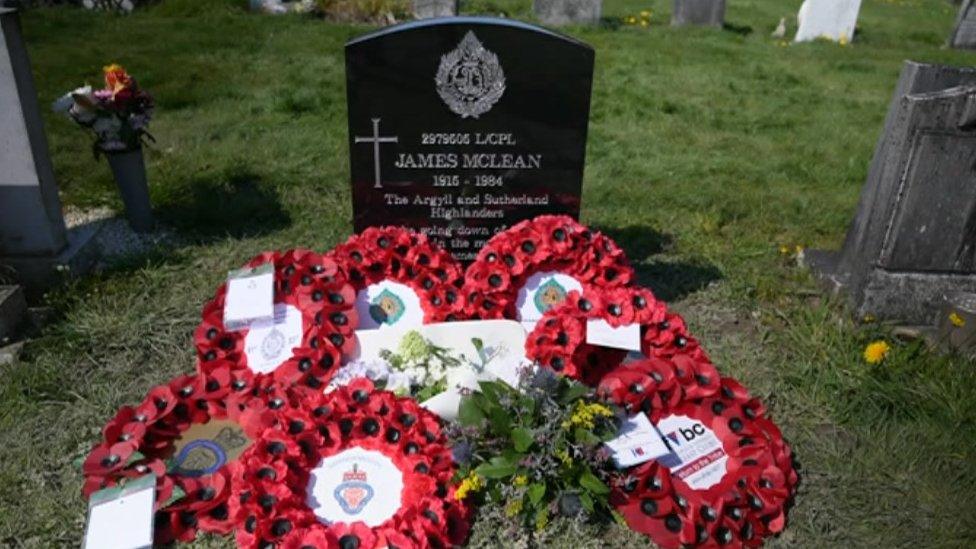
[742, 30]
[235, 205]
[669, 280]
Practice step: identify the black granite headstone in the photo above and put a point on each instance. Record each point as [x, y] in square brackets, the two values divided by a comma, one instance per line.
[461, 127]
[913, 238]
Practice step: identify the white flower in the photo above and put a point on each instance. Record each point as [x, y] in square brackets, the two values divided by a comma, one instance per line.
[376, 370]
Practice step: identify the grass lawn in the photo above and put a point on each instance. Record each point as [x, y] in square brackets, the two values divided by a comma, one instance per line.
[708, 151]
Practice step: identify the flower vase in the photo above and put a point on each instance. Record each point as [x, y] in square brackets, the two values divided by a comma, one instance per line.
[129, 170]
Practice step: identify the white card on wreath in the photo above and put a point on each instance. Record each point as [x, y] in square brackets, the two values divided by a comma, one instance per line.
[541, 292]
[626, 337]
[122, 518]
[250, 296]
[697, 455]
[389, 305]
[637, 441]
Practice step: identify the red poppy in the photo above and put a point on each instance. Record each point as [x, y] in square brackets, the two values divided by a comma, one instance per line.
[544, 244]
[558, 340]
[735, 493]
[400, 255]
[140, 440]
[312, 284]
[273, 476]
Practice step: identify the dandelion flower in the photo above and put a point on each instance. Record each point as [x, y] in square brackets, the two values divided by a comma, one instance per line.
[957, 320]
[876, 352]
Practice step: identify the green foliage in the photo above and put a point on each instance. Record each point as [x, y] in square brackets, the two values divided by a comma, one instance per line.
[537, 449]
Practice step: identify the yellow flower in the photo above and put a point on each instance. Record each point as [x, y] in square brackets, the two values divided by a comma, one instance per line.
[869, 318]
[644, 23]
[876, 352]
[471, 483]
[798, 249]
[584, 415]
[513, 507]
[631, 20]
[957, 320]
[520, 480]
[645, 13]
[784, 249]
[842, 41]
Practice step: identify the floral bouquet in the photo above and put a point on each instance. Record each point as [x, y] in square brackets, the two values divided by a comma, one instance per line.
[535, 451]
[118, 114]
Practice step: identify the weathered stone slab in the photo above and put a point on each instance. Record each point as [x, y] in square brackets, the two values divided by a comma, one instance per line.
[567, 12]
[427, 9]
[964, 33]
[913, 238]
[30, 210]
[33, 238]
[707, 13]
[13, 311]
[827, 19]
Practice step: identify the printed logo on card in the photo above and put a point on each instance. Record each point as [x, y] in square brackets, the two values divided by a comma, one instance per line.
[354, 492]
[697, 455]
[273, 344]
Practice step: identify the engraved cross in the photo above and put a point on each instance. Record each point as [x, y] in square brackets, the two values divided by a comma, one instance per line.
[376, 139]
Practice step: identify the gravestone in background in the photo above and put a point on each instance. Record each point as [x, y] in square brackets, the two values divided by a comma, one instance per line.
[567, 12]
[964, 33]
[828, 19]
[913, 239]
[33, 240]
[427, 9]
[709, 13]
[461, 127]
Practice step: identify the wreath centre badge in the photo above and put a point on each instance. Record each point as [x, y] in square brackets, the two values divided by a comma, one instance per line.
[470, 80]
[386, 308]
[355, 485]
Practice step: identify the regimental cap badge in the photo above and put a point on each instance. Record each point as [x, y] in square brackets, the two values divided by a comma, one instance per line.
[549, 295]
[387, 308]
[470, 80]
[354, 492]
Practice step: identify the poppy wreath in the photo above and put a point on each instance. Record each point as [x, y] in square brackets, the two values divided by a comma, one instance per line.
[140, 440]
[676, 508]
[400, 255]
[558, 340]
[547, 243]
[316, 287]
[273, 476]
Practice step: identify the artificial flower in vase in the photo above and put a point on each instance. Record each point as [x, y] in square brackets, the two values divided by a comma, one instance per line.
[118, 116]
